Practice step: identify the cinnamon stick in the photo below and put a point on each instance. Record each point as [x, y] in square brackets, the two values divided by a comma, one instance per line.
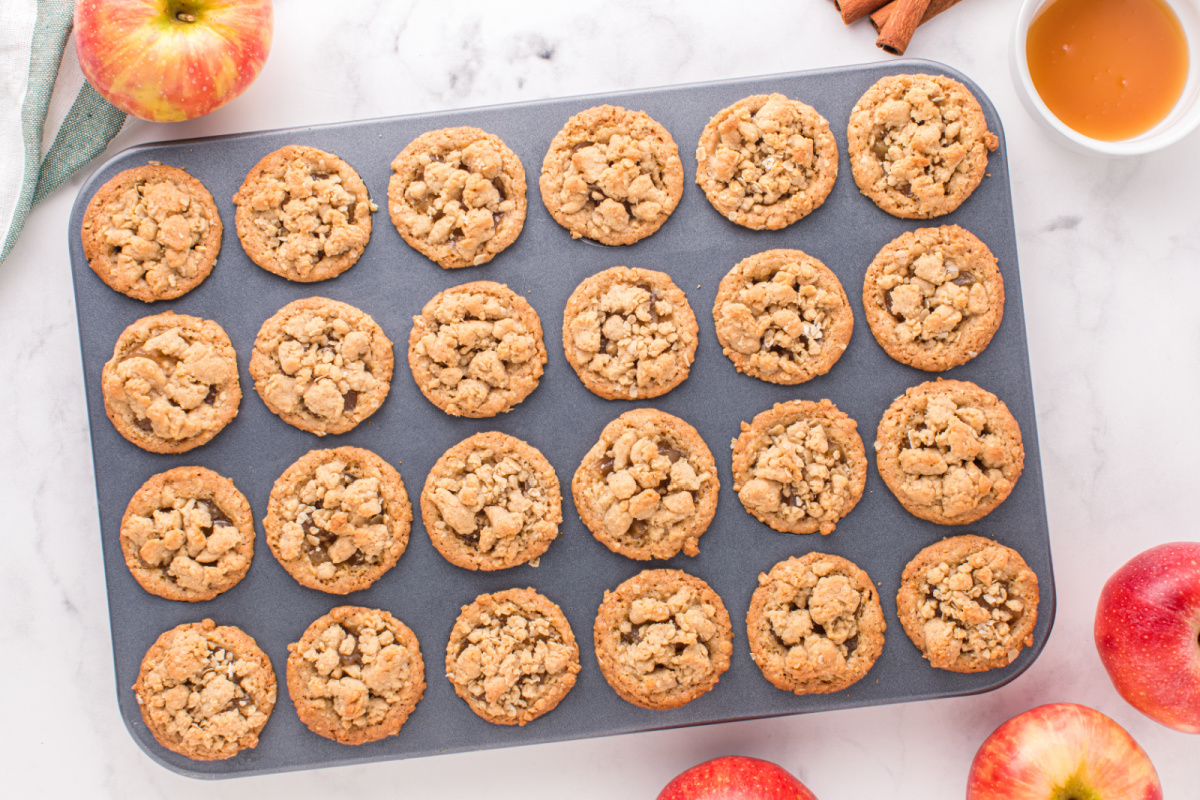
[854, 10]
[880, 17]
[898, 30]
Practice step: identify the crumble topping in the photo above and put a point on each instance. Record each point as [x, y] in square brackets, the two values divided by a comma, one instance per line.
[458, 195]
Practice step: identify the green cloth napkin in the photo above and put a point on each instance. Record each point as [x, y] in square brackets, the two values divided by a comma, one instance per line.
[31, 50]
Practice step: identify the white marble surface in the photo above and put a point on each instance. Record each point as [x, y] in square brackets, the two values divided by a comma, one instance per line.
[1110, 266]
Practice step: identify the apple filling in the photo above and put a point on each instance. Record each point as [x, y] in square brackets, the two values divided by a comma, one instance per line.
[779, 315]
[357, 671]
[629, 336]
[511, 659]
[491, 504]
[475, 353]
[336, 522]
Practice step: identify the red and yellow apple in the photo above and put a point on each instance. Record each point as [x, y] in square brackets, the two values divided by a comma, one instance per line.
[735, 778]
[171, 60]
[1062, 751]
[1148, 633]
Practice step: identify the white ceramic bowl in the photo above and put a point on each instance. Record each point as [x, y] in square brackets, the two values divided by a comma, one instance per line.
[1182, 120]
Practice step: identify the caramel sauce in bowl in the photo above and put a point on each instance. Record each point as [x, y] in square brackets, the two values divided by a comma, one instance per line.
[1112, 77]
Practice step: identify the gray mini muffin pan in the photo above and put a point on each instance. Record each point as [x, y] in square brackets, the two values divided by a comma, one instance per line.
[696, 247]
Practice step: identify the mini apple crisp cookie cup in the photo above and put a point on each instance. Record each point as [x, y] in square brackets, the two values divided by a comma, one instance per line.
[968, 604]
[205, 690]
[337, 520]
[800, 466]
[649, 487]
[321, 365]
[457, 195]
[356, 675]
[172, 383]
[612, 175]
[629, 333]
[934, 297]
[152, 232]
[766, 161]
[188, 534]
[949, 451]
[491, 502]
[512, 656]
[782, 316]
[476, 350]
[815, 625]
[303, 214]
[918, 144]
[663, 638]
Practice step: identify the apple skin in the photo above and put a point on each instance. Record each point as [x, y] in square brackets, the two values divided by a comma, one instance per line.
[1148, 633]
[736, 778]
[147, 60]
[1062, 751]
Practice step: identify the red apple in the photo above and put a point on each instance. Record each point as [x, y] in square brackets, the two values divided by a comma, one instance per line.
[171, 60]
[1148, 633]
[1062, 751]
[735, 778]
